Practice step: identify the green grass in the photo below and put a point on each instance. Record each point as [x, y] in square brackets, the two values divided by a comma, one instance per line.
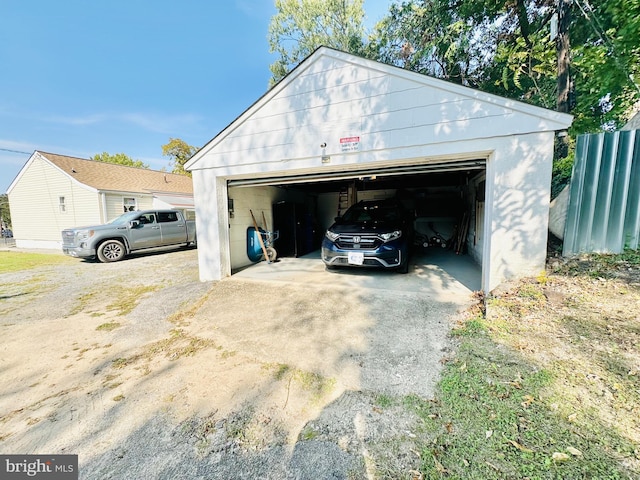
[121, 299]
[17, 261]
[497, 416]
[107, 327]
[384, 400]
[316, 384]
[601, 265]
[127, 298]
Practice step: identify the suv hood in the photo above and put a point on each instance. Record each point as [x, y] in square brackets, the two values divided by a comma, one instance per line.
[365, 227]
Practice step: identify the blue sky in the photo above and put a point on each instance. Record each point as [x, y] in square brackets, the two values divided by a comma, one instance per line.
[123, 76]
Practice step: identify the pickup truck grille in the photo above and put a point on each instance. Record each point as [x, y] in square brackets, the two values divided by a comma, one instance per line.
[360, 242]
[68, 236]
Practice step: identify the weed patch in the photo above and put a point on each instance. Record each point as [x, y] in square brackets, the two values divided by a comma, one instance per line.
[384, 401]
[128, 298]
[16, 294]
[178, 345]
[546, 386]
[316, 384]
[107, 327]
[121, 300]
[182, 317]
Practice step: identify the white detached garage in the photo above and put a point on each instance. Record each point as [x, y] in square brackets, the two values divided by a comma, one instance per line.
[342, 127]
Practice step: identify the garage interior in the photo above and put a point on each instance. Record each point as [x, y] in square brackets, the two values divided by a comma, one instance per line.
[446, 199]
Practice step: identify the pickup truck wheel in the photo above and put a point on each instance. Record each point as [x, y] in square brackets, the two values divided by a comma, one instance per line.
[111, 251]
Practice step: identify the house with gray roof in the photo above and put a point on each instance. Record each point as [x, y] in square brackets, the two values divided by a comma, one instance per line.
[53, 192]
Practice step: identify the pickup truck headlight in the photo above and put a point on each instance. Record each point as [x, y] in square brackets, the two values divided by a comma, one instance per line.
[85, 234]
[331, 235]
[387, 237]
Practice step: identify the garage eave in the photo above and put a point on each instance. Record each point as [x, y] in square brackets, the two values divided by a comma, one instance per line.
[283, 179]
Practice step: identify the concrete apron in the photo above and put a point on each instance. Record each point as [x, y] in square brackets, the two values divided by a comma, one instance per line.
[437, 273]
[370, 330]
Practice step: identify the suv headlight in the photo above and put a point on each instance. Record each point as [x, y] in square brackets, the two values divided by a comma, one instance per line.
[387, 237]
[331, 235]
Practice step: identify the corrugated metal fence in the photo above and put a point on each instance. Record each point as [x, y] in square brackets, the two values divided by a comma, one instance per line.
[604, 201]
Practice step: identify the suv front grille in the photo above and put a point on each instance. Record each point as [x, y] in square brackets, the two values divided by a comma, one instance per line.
[360, 242]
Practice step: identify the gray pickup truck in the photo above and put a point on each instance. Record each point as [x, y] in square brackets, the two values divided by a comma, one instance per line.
[129, 232]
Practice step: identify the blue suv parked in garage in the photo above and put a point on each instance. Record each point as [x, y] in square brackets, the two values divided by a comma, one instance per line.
[374, 233]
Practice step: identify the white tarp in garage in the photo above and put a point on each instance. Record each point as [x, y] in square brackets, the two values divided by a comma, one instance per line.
[338, 114]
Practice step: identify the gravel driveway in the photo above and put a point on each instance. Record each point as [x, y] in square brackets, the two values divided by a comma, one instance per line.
[145, 372]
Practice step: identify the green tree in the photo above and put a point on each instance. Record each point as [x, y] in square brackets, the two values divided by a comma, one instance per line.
[606, 63]
[301, 26]
[5, 213]
[494, 45]
[120, 159]
[504, 47]
[179, 152]
[426, 37]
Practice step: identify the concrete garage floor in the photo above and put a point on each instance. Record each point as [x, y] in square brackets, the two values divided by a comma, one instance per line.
[437, 273]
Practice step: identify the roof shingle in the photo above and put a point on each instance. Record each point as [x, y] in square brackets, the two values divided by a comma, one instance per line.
[109, 176]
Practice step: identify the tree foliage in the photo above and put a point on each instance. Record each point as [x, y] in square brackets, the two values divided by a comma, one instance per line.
[504, 47]
[606, 63]
[426, 37]
[119, 159]
[301, 26]
[5, 212]
[179, 152]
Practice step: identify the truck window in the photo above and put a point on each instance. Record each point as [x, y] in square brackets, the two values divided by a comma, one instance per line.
[164, 217]
[147, 218]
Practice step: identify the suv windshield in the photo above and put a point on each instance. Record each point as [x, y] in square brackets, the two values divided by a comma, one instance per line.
[374, 212]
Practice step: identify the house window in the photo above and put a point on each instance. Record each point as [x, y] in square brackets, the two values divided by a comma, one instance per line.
[129, 204]
[63, 207]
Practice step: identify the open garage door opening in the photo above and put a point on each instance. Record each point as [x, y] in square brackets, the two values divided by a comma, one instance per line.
[446, 205]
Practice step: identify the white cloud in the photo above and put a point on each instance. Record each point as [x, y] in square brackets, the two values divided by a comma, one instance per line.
[79, 120]
[165, 123]
[159, 123]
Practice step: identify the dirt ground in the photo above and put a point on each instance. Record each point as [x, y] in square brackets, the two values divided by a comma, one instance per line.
[145, 372]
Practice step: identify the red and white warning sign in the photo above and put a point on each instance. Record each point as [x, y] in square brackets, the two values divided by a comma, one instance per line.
[350, 144]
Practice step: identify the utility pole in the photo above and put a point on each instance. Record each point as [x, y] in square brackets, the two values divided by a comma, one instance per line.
[563, 49]
[563, 103]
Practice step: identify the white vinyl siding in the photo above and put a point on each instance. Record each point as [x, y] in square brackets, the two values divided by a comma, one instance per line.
[115, 203]
[393, 117]
[35, 203]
